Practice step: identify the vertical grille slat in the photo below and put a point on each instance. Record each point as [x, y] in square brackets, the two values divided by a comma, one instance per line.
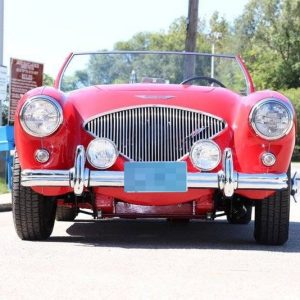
[157, 133]
[177, 147]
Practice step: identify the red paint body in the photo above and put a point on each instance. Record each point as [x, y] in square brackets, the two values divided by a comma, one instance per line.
[85, 103]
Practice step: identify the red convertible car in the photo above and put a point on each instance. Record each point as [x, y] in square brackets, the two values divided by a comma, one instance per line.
[153, 135]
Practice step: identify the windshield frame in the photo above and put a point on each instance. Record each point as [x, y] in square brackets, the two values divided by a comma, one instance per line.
[248, 80]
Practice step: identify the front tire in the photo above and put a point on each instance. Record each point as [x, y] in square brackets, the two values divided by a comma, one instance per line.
[272, 219]
[33, 214]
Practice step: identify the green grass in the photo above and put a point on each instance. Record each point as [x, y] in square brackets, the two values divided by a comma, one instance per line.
[3, 186]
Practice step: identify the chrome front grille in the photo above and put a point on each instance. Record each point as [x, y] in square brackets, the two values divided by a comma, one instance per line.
[158, 133]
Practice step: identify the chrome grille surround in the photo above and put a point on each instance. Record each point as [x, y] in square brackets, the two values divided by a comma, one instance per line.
[155, 132]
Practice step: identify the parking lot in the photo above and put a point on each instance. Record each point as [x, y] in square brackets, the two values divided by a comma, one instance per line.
[132, 259]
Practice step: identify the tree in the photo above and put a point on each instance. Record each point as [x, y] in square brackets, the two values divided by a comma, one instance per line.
[268, 36]
[5, 111]
[47, 80]
[220, 33]
[172, 40]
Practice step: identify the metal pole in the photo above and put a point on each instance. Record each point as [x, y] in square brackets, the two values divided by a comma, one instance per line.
[1, 30]
[1, 45]
[212, 60]
[215, 36]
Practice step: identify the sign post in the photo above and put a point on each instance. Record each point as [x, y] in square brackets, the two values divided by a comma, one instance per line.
[3, 84]
[1, 30]
[1, 48]
[25, 75]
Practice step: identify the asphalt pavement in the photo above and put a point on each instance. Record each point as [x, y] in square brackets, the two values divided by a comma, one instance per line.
[147, 259]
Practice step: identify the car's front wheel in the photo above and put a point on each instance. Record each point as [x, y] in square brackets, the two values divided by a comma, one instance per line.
[272, 218]
[33, 214]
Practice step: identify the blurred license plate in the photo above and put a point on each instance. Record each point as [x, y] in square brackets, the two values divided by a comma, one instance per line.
[142, 177]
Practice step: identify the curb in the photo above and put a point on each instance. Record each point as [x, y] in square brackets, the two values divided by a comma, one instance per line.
[5, 202]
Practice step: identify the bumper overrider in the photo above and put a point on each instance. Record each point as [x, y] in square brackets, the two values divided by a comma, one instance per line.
[80, 177]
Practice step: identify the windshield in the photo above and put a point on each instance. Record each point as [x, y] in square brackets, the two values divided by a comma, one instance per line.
[87, 69]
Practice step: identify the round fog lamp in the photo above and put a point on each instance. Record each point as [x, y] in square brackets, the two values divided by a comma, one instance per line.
[42, 155]
[205, 155]
[102, 153]
[268, 159]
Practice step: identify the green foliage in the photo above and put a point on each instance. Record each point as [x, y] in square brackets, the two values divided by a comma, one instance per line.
[47, 80]
[294, 96]
[268, 36]
[220, 34]
[3, 186]
[172, 40]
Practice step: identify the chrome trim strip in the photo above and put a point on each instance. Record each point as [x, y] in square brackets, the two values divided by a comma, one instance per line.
[45, 177]
[242, 68]
[64, 69]
[154, 97]
[79, 177]
[106, 178]
[262, 181]
[156, 52]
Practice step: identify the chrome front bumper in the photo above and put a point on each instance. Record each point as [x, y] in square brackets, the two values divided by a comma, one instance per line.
[79, 177]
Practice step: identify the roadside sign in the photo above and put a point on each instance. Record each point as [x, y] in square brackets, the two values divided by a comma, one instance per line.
[25, 75]
[3, 83]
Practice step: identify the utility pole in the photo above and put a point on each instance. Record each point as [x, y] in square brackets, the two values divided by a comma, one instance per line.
[1, 46]
[191, 26]
[191, 37]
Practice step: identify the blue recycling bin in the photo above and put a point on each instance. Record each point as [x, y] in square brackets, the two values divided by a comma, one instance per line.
[6, 145]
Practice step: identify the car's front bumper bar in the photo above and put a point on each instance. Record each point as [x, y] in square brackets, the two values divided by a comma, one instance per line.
[227, 180]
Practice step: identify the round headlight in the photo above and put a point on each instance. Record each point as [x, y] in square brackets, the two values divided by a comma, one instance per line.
[41, 116]
[271, 119]
[205, 155]
[102, 153]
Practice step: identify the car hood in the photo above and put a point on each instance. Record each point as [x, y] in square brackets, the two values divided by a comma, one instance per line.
[97, 100]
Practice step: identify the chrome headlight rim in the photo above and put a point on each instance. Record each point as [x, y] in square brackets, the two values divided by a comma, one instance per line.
[50, 100]
[112, 162]
[205, 141]
[266, 101]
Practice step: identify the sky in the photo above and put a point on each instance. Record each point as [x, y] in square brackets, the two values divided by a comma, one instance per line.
[46, 31]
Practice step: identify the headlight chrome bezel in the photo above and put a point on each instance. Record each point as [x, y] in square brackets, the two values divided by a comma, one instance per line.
[46, 99]
[283, 104]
